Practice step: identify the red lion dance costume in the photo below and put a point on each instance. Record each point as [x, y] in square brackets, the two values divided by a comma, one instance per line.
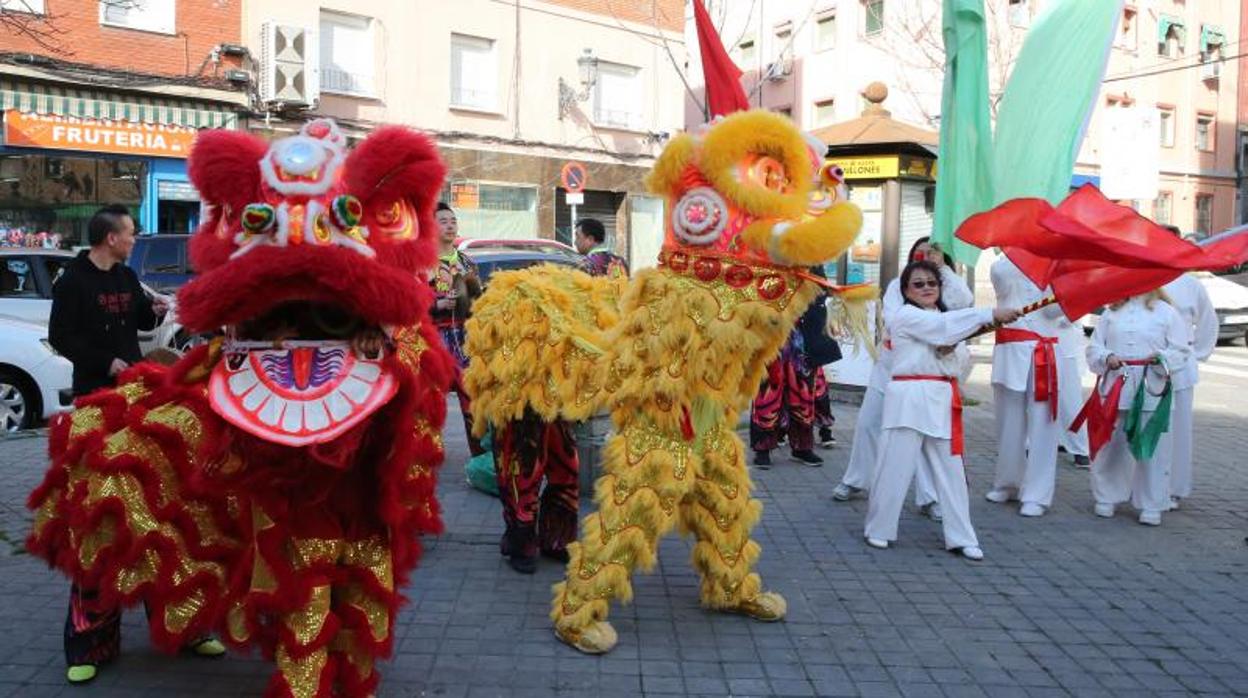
[272, 485]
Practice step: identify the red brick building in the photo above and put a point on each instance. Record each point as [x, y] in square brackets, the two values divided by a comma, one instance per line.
[101, 99]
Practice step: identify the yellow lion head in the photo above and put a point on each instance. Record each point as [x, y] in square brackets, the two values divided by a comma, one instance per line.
[752, 188]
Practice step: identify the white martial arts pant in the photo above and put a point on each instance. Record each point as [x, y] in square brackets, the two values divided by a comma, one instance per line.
[1070, 401]
[1026, 445]
[865, 451]
[1117, 476]
[1181, 436]
[902, 451]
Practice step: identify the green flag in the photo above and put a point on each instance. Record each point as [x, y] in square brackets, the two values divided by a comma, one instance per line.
[964, 185]
[1049, 97]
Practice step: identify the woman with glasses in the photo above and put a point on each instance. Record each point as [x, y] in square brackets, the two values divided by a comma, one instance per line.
[922, 423]
[956, 295]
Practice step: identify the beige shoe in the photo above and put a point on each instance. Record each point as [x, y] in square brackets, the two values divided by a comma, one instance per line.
[598, 638]
[768, 607]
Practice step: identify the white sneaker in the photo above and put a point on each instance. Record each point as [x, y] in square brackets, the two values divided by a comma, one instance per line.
[1031, 509]
[1150, 518]
[1174, 504]
[999, 496]
[843, 492]
[877, 543]
[1104, 510]
[934, 512]
[971, 552]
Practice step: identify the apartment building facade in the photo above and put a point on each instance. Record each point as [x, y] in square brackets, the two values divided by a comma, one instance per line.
[811, 59]
[512, 91]
[101, 100]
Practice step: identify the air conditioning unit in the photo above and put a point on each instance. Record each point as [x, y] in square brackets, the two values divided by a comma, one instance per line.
[1211, 70]
[289, 65]
[778, 71]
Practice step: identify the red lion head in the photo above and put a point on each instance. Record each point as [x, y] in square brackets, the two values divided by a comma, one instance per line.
[301, 220]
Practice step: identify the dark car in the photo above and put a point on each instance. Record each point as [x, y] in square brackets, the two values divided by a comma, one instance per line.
[505, 255]
[162, 261]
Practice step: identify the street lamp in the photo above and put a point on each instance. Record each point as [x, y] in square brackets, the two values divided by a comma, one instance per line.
[587, 69]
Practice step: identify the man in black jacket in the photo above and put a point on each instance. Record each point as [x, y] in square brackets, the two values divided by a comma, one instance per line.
[98, 308]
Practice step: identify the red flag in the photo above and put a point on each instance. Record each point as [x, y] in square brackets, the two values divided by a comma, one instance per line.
[723, 78]
[1093, 252]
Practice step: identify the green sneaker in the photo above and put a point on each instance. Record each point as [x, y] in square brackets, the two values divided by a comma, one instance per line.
[80, 673]
[207, 647]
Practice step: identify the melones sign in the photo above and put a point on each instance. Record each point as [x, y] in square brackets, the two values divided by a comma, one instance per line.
[97, 136]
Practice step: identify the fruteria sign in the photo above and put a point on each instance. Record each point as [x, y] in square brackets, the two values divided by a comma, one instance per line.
[97, 135]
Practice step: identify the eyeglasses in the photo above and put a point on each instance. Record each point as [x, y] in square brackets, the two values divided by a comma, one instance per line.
[920, 283]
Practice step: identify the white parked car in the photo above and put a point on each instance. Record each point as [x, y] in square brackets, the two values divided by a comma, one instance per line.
[26, 278]
[35, 382]
[1230, 301]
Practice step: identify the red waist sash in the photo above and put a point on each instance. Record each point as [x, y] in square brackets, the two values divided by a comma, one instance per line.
[955, 406]
[1101, 414]
[1043, 359]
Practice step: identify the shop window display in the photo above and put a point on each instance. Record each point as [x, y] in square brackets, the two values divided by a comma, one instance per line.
[46, 200]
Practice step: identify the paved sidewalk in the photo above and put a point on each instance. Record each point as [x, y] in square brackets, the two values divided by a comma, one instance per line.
[1064, 605]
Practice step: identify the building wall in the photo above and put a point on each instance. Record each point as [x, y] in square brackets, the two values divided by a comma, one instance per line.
[413, 66]
[200, 25]
[520, 140]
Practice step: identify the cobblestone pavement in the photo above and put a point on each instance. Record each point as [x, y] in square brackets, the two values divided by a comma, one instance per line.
[1063, 605]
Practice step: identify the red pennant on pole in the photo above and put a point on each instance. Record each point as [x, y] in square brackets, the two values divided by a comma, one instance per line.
[724, 94]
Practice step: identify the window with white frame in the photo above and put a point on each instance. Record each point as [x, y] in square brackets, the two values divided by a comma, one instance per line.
[784, 38]
[1162, 206]
[825, 112]
[1204, 213]
[1128, 30]
[348, 54]
[145, 15]
[1165, 117]
[1204, 132]
[873, 17]
[746, 53]
[474, 73]
[34, 7]
[617, 96]
[825, 30]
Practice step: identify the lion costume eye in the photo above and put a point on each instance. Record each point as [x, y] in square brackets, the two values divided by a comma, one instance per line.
[258, 218]
[347, 211]
[769, 172]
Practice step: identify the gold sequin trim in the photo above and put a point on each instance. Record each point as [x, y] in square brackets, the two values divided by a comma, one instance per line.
[303, 676]
[307, 622]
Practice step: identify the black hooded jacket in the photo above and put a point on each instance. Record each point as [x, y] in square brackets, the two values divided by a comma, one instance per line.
[96, 317]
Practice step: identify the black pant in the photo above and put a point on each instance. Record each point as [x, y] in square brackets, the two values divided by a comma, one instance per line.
[92, 634]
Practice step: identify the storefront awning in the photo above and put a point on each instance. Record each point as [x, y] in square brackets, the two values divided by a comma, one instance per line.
[92, 104]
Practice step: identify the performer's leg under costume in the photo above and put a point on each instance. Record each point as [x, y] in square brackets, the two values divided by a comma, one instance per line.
[453, 338]
[655, 479]
[92, 634]
[799, 403]
[527, 451]
[768, 419]
[1181, 437]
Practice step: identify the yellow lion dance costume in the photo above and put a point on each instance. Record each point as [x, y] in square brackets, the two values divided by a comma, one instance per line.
[674, 355]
